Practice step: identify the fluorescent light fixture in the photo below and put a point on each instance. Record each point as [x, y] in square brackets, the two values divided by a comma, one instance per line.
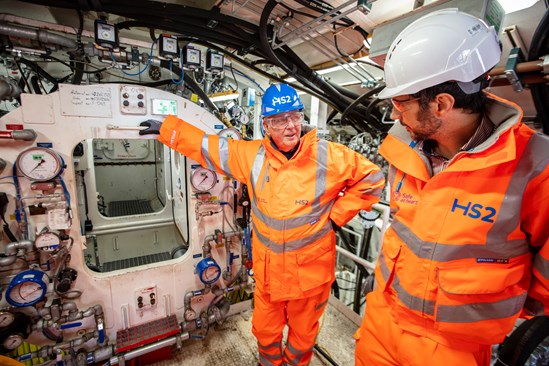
[222, 96]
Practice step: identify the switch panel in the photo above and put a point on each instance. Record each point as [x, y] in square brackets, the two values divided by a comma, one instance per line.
[133, 99]
[145, 298]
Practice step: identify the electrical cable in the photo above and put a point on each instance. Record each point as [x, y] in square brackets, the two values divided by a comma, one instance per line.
[325, 355]
[234, 77]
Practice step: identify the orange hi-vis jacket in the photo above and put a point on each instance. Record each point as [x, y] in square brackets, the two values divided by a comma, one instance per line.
[293, 201]
[468, 246]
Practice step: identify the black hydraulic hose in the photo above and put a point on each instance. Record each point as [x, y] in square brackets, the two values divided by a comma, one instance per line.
[359, 100]
[41, 72]
[193, 30]
[523, 341]
[263, 30]
[195, 88]
[335, 288]
[373, 64]
[35, 84]
[331, 116]
[540, 92]
[325, 355]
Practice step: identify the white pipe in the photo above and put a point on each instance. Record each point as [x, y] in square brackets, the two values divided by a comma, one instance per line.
[385, 218]
[356, 258]
[122, 229]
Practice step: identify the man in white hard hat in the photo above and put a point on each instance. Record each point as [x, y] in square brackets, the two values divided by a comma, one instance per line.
[467, 252]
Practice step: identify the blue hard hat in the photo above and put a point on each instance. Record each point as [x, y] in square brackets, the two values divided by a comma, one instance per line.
[280, 98]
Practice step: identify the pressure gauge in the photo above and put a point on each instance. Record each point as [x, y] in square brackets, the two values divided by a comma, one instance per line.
[6, 318]
[203, 179]
[47, 241]
[13, 341]
[208, 271]
[27, 288]
[39, 164]
[230, 133]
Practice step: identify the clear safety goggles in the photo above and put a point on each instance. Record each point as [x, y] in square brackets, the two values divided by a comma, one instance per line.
[282, 120]
[402, 104]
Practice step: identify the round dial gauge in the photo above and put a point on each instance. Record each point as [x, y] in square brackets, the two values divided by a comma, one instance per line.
[230, 133]
[13, 341]
[203, 179]
[6, 318]
[27, 288]
[47, 241]
[39, 164]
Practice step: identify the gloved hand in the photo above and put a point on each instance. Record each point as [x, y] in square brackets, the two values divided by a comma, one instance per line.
[153, 127]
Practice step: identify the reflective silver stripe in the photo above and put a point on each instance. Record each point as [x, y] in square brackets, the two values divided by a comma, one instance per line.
[542, 266]
[206, 153]
[224, 156]
[533, 162]
[466, 313]
[293, 244]
[293, 222]
[299, 354]
[321, 168]
[374, 178]
[391, 175]
[480, 311]
[265, 362]
[411, 301]
[256, 167]
[449, 252]
[373, 192]
[320, 189]
[385, 273]
[269, 346]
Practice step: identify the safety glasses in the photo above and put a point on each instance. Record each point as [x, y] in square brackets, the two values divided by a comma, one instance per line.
[281, 121]
[402, 104]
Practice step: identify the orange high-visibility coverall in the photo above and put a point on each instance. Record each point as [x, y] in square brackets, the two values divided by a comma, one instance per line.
[293, 202]
[466, 252]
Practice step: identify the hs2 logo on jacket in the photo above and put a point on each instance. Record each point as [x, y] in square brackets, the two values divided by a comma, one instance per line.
[474, 210]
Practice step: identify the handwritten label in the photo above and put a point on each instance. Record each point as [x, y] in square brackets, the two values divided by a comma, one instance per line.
[85, 101]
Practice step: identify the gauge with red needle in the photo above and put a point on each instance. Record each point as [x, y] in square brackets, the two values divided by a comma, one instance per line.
[39, 164]
[27, 288]
[203, 179]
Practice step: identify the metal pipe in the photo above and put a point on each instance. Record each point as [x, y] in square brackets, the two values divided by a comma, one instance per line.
[385, 217]
[356, 258]
[8, 88]
[522, 67]
[122, 229]
[37, 35]
[12, 249]
[148, 348]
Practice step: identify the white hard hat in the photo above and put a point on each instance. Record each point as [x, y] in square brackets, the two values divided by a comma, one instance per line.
[444, 45]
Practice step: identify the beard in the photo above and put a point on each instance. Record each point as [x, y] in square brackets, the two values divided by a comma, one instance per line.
[429, 125]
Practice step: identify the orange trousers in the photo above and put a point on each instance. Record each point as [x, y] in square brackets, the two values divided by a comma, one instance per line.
[301, 316]
[381, 342]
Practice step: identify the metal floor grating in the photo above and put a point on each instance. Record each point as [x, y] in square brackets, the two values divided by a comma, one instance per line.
[137, 261]
[126, 208]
